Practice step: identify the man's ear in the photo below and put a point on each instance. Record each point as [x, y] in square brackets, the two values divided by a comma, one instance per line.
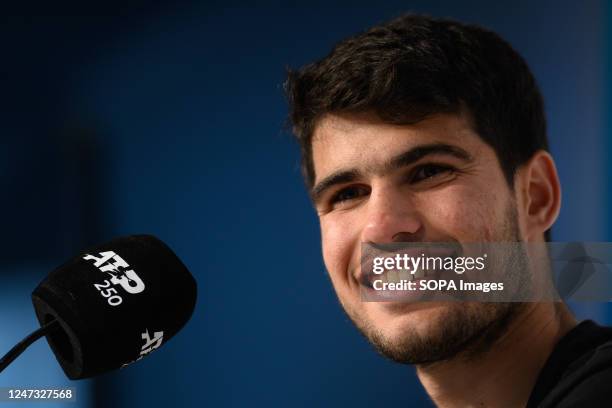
[539, 194]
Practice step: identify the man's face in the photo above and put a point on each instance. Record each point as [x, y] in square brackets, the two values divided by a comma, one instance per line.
[434, 181]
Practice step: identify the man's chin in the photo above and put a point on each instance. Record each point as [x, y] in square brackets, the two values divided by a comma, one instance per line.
[428, 332]
[398, 321]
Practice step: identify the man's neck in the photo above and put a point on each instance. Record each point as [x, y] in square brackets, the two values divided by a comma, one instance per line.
[505, 375]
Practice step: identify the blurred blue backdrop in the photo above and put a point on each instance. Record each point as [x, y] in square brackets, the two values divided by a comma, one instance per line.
[169, 119]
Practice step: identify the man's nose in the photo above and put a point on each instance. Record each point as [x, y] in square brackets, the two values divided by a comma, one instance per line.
[392, 217]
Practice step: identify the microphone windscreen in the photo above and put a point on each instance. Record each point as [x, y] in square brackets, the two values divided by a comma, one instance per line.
[115, 304]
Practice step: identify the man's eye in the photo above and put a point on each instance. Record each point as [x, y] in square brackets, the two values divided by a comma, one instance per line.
[349, 193]
[428, 171]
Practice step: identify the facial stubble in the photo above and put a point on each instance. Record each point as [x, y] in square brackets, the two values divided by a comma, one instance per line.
[464, 330]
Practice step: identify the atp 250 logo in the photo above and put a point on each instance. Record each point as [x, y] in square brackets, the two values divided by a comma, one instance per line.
[151, 343]
[120, 276]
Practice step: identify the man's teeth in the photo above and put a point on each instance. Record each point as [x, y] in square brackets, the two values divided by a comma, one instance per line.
[401, 275]
[405, 275]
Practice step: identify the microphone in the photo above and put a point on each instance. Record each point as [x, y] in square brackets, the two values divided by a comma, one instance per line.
[111, 305]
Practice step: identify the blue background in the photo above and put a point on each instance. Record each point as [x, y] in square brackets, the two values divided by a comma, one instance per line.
[170, 120]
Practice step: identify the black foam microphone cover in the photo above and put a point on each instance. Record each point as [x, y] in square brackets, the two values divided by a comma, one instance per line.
[115, 303]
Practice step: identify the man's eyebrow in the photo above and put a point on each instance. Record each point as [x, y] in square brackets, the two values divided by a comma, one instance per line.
[417, 153]
[402, 160]
[339, 177]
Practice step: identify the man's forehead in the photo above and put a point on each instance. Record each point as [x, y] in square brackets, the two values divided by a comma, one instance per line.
[449, 123]
[363, 139]
[346, 122]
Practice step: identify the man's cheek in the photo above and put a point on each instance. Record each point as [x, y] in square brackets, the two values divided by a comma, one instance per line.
[463, 218]
[335, 264]
[451, 217]
[336, 252]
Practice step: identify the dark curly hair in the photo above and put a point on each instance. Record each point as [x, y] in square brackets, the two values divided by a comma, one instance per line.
[415, 66]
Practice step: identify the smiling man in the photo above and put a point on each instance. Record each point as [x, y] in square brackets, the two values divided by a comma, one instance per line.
[423, 130]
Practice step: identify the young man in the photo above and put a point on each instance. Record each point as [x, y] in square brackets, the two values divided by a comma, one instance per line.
[423, 130]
